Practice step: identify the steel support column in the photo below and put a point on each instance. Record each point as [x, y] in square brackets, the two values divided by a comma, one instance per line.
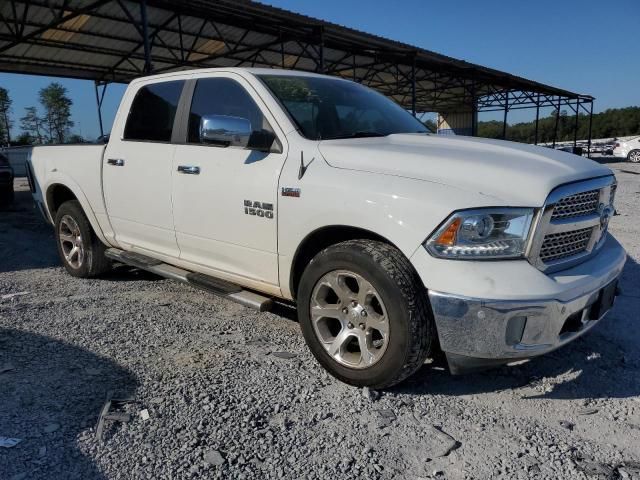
[535, 142]
[148, 68]
[413, 86]
[590, 124]
[575, 126]
[281, 49]
[506, 111]
[474, 109]
[99, 100]
[555, 129]
[321, 50]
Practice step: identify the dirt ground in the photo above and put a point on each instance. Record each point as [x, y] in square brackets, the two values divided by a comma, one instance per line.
[220, 391]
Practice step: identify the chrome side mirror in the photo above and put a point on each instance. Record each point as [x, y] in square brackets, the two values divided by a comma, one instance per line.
[225, 130]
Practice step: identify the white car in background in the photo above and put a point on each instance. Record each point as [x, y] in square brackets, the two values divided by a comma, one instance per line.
[629, 150]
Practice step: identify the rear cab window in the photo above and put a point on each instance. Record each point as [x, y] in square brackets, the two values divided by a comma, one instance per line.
[153, 112]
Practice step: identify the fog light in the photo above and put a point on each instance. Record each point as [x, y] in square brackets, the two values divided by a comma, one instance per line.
[515, 330]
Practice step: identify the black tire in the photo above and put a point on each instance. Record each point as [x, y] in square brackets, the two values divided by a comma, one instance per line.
[6, 196]
[634, 156]
[94, 261]
[411, 326]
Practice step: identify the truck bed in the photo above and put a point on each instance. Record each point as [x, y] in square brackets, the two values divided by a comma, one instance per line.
[78, 167]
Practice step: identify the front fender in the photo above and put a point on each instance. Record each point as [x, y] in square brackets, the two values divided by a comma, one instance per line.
[402, 210]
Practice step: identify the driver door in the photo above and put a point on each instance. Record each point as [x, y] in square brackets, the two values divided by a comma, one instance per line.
[225, 196]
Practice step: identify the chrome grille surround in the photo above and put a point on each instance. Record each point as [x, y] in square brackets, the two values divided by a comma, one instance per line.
[571, 227]
[612, 197]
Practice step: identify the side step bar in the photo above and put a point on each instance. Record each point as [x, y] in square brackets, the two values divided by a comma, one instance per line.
[214, 285]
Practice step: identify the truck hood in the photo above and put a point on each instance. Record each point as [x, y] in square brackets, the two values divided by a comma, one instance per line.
[514, 173]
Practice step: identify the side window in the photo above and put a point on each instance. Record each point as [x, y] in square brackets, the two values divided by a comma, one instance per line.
[226, 97]
[153, 111]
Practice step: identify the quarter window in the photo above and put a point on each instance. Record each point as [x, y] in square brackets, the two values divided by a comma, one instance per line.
[153, 111]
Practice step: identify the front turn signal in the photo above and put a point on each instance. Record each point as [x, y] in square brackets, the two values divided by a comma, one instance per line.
[449, 235]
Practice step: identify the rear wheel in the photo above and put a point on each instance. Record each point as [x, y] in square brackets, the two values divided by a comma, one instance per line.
[364, 313]
[634, 156]
[80, 250]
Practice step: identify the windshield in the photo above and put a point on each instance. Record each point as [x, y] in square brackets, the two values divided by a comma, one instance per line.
[326, 108]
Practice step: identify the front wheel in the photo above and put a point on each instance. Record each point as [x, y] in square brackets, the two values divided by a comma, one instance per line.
[81, 251]
[634, 156]
[364, 313]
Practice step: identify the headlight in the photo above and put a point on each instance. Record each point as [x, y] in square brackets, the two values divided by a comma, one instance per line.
[482, 233]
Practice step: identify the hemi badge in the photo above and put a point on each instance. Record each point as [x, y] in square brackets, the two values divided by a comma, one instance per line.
[290, 192]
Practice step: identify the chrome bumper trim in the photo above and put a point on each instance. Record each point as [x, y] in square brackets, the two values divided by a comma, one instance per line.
[509, 330]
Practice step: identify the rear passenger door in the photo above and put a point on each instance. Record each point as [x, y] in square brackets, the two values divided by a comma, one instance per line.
[137, 169]
[214, 225]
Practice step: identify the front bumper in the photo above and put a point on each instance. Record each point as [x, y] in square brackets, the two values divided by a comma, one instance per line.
[476, 332]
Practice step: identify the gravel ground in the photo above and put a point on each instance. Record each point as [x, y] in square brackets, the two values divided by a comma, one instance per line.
[231, 393]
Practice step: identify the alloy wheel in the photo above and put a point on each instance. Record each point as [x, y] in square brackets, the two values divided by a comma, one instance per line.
[350, 319]
[71, 241]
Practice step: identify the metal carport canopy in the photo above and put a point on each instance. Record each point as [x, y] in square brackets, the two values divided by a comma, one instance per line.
[117, 40]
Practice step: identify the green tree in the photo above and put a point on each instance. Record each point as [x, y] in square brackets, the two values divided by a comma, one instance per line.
[75, 138]
[24, 139]
[618, 122]
[5, 118]
[57, 108]
[33, 125]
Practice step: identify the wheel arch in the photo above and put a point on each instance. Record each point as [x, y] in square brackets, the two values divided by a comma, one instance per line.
[321, 238]
[57, 193]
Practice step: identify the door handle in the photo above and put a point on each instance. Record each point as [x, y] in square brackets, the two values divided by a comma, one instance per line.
[116, 162]
[189, 169]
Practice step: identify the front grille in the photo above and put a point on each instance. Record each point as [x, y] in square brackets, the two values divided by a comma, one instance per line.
[566, 244]
[584, 203]
[570, 228]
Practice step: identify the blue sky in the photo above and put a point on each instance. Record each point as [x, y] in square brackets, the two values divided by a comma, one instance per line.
[588, 46]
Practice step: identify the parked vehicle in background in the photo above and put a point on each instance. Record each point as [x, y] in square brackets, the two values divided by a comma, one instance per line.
[629, 149]
[258, 184]
[594, 148]
[6, 181]
[607, 149]
[577, 150]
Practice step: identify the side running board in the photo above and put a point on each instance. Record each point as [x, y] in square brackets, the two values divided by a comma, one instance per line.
[214, 285]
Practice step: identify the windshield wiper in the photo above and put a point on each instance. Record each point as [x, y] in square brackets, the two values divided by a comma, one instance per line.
[361, 134]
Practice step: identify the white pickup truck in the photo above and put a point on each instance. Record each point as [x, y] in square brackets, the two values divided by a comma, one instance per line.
[395, 244]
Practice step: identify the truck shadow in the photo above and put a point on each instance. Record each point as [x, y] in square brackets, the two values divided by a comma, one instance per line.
[604, 363]
[27, 242]
[52, 391]
[607, 159]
